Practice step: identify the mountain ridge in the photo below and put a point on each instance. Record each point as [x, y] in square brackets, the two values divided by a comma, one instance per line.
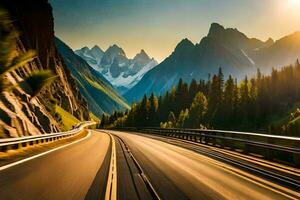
[122, 72]
[228, 48]
[99, 93]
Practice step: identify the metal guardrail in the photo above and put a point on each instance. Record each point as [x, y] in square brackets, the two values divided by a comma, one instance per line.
[272, 147]
[15, 143]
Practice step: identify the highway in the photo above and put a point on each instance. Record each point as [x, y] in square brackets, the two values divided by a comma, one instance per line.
[127, 166]
[67, 173]
[178, 173]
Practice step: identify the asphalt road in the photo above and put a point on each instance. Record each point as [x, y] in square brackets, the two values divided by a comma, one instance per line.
[68, 173]
[128, 166]
[178, 173]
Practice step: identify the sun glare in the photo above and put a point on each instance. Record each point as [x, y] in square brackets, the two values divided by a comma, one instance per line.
[293, 3]
[289, 8]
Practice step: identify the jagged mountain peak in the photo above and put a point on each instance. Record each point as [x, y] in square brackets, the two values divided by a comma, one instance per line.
[238, 55]
[141, 55]
[85, 48]
[97, 48]
[218, 31]
[184, 44]
[113, 64]
[270, 40]
[116, 50]
[142, 52]
[215, 29]
[96, 52]
[115, 47]
[231, 38]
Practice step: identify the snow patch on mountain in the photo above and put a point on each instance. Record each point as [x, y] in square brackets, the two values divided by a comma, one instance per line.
[131, 80]
[114, 65]
[250, 60]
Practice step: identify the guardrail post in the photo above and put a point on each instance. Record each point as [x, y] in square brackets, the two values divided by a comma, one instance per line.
[204, 139]
[222, 141]
[209, 139]
[213, 140]
[198, 139]
[227, 143]
[194, 138]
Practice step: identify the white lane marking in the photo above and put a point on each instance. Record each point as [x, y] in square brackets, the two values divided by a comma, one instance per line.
[42, 154]
[111, 187]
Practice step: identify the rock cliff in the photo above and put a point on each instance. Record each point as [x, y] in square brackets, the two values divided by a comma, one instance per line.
[19, 114]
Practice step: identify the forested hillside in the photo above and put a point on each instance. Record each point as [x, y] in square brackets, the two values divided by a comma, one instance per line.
[251, 105]
[236, 53]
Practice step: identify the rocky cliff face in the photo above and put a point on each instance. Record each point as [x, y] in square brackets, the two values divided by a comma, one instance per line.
[18, 114]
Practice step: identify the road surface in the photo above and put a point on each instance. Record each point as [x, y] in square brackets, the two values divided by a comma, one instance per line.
[177, 173]
[127, 166]
[67, 173]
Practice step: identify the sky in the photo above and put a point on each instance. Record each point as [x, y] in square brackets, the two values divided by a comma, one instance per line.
[158, 25]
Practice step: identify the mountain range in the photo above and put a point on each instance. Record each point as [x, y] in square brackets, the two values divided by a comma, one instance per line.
[228, 48]
[100, 95]
[123, 73]
[86, 79]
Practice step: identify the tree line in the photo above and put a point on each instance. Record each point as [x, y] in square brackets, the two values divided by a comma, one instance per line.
[250, 105]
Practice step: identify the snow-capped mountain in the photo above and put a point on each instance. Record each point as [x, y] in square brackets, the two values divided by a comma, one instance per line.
[93, 56]
[120, 71]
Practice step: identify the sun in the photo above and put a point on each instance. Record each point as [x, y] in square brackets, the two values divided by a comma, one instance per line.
[293, 4]
[290, 7]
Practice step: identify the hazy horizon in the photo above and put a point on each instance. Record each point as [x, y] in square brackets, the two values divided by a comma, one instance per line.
[156, 28]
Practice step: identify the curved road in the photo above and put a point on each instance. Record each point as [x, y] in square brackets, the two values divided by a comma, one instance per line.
[67, 173]
[118, 165]
[178, 173]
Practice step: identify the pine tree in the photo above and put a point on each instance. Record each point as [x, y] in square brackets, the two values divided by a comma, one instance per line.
[181, 97]
[153, 108]
[143, 112]
[193, 89]
[214, 98]
[229, 101]
[221, 84]
[245, 101]
[198, 110]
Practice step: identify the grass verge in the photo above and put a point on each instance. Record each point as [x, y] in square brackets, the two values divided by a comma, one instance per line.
[67, 119]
